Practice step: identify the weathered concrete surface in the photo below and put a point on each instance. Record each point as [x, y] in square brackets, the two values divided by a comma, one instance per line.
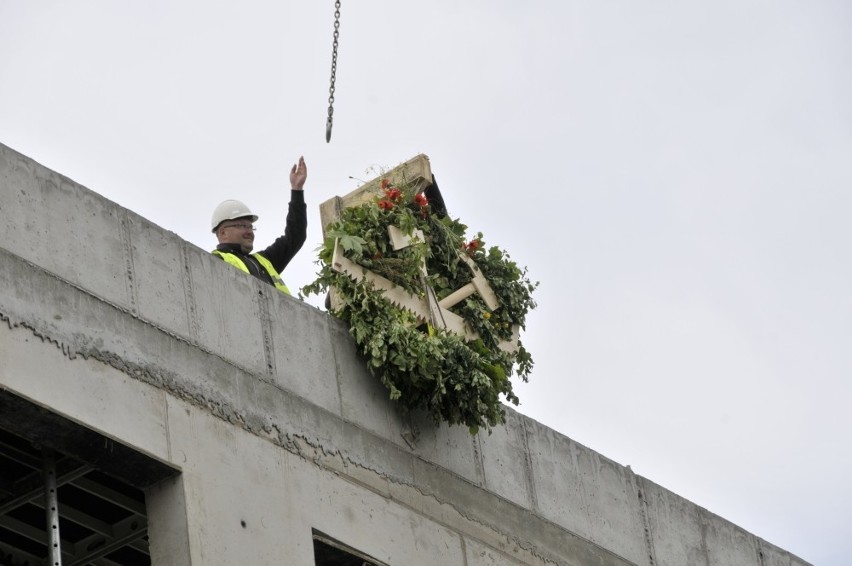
[275, 424]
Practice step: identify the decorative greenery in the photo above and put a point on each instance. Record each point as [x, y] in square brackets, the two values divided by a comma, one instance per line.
[422, 366]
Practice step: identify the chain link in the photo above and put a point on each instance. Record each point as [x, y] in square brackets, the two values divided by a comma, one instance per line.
[333, 71]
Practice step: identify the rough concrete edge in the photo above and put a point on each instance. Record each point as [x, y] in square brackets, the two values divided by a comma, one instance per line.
[294, 443]
[347, 465]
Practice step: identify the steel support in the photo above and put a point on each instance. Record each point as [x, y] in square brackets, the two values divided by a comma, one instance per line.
[51, 508]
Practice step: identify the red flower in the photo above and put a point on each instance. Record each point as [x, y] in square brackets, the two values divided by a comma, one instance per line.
[420, 200]
[393, 194]
[385, 184]
[385, 204]
[472, 246]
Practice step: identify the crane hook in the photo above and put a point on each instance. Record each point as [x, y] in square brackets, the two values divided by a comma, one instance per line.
[328, 121]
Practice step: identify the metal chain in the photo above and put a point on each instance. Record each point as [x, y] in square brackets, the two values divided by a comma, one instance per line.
[333, 71]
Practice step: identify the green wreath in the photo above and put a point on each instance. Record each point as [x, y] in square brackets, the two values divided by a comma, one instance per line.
[456, 380]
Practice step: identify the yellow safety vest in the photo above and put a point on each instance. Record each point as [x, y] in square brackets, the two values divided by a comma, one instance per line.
[235, 260]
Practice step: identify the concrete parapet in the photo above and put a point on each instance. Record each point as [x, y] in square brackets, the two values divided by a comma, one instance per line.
[276, 425]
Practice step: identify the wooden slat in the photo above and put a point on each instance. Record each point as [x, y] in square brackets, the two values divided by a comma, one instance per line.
[416, 171]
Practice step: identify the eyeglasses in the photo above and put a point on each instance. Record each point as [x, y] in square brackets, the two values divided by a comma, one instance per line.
[241, 226]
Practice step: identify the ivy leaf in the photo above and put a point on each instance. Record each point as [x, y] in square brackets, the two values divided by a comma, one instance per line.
[348, 242]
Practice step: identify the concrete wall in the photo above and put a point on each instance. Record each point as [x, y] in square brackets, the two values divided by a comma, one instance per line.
[277, 427]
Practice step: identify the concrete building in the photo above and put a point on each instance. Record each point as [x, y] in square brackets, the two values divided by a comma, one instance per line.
[174, 433]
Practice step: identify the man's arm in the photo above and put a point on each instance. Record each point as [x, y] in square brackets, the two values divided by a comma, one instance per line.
[285, 247]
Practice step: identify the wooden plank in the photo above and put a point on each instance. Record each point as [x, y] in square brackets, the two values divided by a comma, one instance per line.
[399, 297]
[416, 172]
[329, 212]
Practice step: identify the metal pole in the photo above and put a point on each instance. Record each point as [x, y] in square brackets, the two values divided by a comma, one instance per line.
[51, 508]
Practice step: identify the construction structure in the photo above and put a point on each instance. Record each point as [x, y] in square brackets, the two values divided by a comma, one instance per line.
[142, 423]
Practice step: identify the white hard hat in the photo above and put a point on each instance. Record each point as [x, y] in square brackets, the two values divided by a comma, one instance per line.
[229, 210]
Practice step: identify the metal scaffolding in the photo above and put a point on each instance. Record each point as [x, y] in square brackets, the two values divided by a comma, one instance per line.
[103, 521]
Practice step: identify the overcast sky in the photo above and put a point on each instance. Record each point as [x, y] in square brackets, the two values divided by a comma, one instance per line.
[676, 175]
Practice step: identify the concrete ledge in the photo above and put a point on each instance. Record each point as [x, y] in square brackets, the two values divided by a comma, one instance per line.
[150, 356]
[302, 351]
[157, 343]
[160, 276]
[65, 228]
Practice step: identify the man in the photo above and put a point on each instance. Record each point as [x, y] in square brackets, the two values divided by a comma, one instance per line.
[233, 224]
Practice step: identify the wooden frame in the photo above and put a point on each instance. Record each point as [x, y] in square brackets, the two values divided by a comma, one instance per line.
[417, 172]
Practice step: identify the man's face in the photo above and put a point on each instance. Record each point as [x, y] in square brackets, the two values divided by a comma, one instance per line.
[239, 231]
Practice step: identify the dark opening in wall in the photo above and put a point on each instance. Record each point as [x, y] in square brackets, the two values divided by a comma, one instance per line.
[100, 511]
[331, 552]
